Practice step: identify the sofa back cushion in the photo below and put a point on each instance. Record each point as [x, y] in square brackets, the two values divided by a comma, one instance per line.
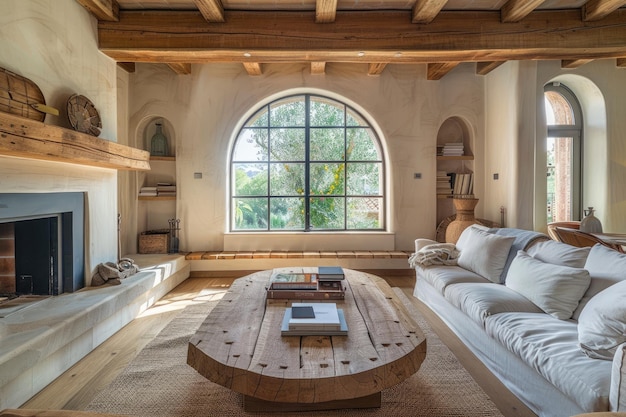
[602, 323]
[559, 253]
[606, 267]
[555, 289]
[484, 253]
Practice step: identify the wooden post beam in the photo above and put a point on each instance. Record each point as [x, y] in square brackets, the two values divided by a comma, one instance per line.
[376, 68]
[598, 9]
[102, 9]
[574, 63]
[484, 68]
[253, 68]
[318, 68]
[425, 11]
[212, 10]
[516, 10]
[436, 71]
[180, 69]
[325, 11]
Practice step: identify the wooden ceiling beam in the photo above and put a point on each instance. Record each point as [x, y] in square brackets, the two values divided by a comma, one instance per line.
[437, 70]
[102, 9]
[325, 11]
[253, 68]
[180, 69]
[212, 10]
[484, 68]
[363, 37]
[318, 68]
[425, 11]
[516, 10]
[598, 9]
[127, 66]
[574, 63]
[376, 68]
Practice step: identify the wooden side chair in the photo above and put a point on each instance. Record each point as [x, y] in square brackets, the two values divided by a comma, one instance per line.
[582, 239]
[569, 225]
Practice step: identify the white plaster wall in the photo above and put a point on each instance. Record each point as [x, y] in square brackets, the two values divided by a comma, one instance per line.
[207, 107]
[54, 44]
[516, 130]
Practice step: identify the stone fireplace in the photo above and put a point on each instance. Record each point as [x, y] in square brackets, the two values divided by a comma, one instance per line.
[41, 243]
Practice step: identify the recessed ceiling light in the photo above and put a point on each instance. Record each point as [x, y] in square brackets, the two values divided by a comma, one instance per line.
[398, 54]
[361, 53]
[247, 54]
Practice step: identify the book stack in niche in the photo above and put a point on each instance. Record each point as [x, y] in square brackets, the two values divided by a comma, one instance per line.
[166, 189]
[453, 149]
[305, 284]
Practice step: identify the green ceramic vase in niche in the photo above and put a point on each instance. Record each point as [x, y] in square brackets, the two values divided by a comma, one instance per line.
[158, 143]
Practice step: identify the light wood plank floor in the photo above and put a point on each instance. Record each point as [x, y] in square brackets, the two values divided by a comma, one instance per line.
[76, 388]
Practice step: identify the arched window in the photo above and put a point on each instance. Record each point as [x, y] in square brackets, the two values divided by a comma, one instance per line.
[564, 144]
[307, 163]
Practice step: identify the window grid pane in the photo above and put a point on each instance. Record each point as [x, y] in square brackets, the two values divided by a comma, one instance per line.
[307, 163]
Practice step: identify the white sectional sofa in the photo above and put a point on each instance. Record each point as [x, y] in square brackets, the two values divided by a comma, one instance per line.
[548, 319]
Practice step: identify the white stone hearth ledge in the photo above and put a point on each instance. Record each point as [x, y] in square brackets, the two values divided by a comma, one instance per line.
[40, 342]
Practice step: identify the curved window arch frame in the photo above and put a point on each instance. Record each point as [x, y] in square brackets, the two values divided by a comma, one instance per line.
[349, 107]
[575, 131]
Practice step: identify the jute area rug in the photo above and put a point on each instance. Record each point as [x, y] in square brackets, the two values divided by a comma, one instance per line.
[159, 383]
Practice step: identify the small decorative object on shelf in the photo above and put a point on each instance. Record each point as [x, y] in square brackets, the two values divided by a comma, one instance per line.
[174, 229]
[83, 116]
[158, 143]
[590, 223]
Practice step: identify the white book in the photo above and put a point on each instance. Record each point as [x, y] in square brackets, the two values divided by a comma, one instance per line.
[326, 317]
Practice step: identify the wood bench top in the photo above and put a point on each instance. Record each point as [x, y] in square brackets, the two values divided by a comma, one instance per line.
[239, 345]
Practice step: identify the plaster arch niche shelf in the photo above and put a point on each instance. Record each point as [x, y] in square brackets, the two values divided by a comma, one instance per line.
[452, 166]
[157, 188]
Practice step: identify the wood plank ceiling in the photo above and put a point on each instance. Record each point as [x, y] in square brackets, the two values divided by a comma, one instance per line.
[372, 33]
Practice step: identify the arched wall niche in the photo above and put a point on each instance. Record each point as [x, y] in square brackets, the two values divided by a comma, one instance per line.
[146, 128]
[455, 129]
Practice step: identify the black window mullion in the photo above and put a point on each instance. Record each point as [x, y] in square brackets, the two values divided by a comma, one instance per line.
[307, 170]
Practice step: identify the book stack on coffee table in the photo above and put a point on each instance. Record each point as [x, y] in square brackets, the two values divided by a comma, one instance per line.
[305, 284]
[304, 319]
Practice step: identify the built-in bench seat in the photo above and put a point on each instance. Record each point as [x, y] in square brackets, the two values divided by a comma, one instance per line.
[208, 255]
[41, 341]
[207, 262]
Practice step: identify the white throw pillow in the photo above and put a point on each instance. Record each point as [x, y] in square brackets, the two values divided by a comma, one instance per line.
[606, 267]
[484, 253]
[555, 289]
[602, 323]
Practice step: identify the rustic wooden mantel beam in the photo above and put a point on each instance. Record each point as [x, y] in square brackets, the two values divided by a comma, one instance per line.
[360, 37]
[26, 138]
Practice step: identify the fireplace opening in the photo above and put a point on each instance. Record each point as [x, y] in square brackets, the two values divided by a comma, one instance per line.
[31, 254]
[41, 244]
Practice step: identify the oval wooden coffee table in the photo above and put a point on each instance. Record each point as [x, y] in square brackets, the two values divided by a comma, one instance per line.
[239, 346]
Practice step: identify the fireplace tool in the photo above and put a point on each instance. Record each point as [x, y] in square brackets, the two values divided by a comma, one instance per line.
[174, 228]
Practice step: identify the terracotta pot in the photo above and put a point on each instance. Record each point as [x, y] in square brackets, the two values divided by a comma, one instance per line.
[464, 218]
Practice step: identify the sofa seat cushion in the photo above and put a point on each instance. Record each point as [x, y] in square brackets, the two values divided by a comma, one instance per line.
[442, 276]
[480, 301]
[550, 346]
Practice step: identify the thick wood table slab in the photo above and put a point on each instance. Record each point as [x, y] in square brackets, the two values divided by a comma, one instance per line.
[239, 346]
